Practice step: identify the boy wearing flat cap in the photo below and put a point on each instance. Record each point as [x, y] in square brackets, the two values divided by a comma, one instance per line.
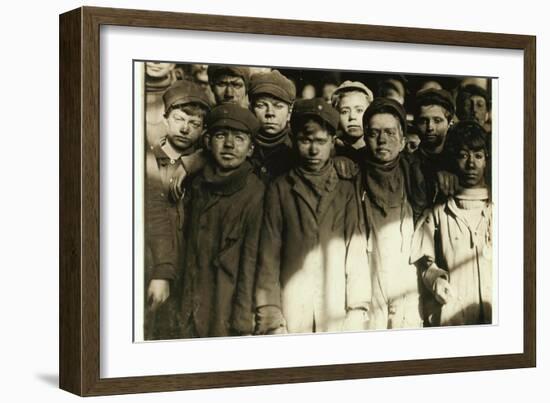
[473, 103]
[392, 198]
[271, 97]
[185, 108]
[229, 84]
[313, 275]
[433, 114]
[351, 99]
[222, 231]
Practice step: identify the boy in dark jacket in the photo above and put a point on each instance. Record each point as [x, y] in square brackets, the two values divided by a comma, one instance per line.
[222, 231]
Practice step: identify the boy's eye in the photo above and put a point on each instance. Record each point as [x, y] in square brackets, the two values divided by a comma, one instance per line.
[219, 136]
[479, 156]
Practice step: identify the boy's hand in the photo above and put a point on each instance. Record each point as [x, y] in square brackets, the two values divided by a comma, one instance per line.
[443, 291]
[176, 188]
[447, 183]
[158, 292]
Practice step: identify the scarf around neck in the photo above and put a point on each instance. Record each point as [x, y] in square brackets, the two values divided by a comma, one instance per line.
[225, 185]
[319, 182]
[384, 184]
[269, 141]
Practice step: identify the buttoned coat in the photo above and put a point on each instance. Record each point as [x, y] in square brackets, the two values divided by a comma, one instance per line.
[312, 263]
[221, 244]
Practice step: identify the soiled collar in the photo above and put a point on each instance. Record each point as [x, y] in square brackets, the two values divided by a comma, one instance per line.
[226, 185]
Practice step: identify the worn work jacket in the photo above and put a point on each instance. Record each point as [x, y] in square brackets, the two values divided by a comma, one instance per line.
[221, 244]
[463, 255]
[312, 266]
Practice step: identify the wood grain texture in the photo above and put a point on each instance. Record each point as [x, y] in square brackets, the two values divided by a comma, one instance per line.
[70, 275]
[80, 201]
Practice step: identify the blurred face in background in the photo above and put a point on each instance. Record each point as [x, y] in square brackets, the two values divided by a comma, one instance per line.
[308, 92]
[328, 90]
[158, 70]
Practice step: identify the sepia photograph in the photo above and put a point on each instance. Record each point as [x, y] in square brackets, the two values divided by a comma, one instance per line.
[280, 201]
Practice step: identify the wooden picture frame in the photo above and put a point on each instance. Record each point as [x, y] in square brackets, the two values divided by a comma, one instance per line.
[80, 200]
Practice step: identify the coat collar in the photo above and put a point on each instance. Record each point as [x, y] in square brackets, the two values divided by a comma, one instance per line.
[225, 185]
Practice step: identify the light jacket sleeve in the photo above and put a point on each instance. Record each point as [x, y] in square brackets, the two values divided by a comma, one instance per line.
[423, 249]
[358, 272]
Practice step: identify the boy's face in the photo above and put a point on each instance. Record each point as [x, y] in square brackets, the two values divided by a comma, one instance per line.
[183, 130]
[229, 89]
[384, 138]
[158, 70]
[479, 109]
[314, 144]
[352, 107]
[471, 167]
[433, 125]
[229, 147]
[272, 113]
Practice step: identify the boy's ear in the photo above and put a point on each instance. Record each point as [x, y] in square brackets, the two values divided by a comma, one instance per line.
[207, 140]
[250, 150]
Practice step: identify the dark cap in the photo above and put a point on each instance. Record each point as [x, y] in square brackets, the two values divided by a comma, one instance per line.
[232, 116]
[273, 83]
[386, 105]
[473, 89]
[215, 71]
[432, 96]
[314, 107]
[185, 92]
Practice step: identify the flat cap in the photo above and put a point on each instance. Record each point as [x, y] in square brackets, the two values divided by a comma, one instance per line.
[215, 71]
[386, 105]
[314, 107]
[185, 92]
[232, 116]
[273, 83]
[474, 89]
[347, 86]
[432, 96]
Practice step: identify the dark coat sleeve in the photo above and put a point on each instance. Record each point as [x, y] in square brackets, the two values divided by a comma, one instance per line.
[268, 288]
[242, 317]
[159, 231]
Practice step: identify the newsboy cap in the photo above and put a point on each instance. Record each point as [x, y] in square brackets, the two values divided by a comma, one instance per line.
[347, 86]
[432, 96]
[232, 116]
[215, 71]
[386, 105]
[185, 92]
[316, 107]
[273, 83]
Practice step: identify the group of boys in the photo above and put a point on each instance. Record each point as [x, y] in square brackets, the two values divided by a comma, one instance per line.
[267, 214]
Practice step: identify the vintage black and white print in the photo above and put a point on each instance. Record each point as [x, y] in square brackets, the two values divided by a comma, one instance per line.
[284, 201]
